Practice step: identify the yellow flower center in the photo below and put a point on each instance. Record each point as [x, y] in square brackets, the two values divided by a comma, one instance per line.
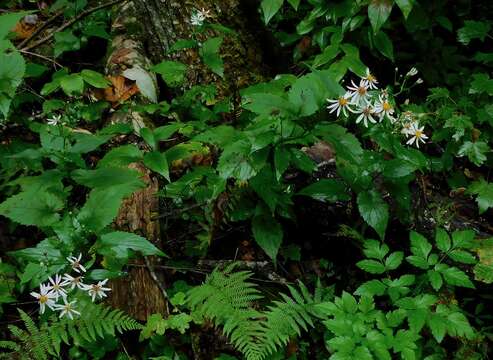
[367, 111]
[343, 101]
[370, 78]
[362, 90]
[418, 133]
[43, 299]
[56, 287]
[386, 106]
[96, 288]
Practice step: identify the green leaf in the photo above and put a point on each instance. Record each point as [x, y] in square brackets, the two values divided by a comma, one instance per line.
[438, 326]
[462, 257]
[267, 232]
[119, 243]
[371, 266]
[371, 288]
[379, 12]
[269, 104]
[121, 156]
[442, 240]
[394, 260]
[481, 84]
[406, 6]
[270, 8]
[418, 261]
[32, 208]
[475, 151]
[435, 279]
[172, 72]
[183, 44]
[209, 52]
[102, 206]
[72, 84]
[294, 3]
[94, 78]
[375, 249]
[484, 192]
[106, 177]
[156, 161]
[454, 276]
[148, 135]
[65, 41]
[473, 30]
[330, 190]
[374, 211]
[282, 157]
[458, 325]
[384, 45]
[419, 245]
[11, 73]
[397, 168]
[145, 82]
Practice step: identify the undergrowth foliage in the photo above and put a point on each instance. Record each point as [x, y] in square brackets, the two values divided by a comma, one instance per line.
[353, 190]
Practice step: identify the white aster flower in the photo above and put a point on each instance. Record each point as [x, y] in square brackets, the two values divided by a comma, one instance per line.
[341, 103]
[384, 108]
[75, 263]
[412, 72]
[97, 290]
[73, 281]
[68, 309]
[54, 120]
[370, 80]
[359, 93]
[56, 286]
[366, 115]
[198, 17]
[417, 135]
[44, 297]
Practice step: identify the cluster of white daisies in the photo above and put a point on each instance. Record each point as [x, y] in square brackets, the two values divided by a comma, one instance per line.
[372, 105]
[59, 286]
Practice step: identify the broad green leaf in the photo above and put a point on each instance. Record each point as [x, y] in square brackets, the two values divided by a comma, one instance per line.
[32, 208]
[156, 161]
[294, 3]
[145, 82]
[209, 52]
[183, 44]
[458, 325]
[481, 84]
[148, 135]
[374, 211]
[384, 45]
[172, 72]
[406, 6]
[419, 245]
[371, 266]
[72, 83]
[119, 243]
[282, 158]
[269, 104]
[442, 240]
[106, 177]
[379, 12]
[484, 192]
[397, 168]
[270, 8]
[267, 232]
[371, 288]
[473, 30]
[102, 206]
[462, 256]
[326, 190]
[94, 78]
[121, 156]
[9, 20]
[374, 249]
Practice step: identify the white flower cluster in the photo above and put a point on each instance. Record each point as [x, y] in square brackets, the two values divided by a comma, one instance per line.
[59, 286]
[199, 16]
[372, 105]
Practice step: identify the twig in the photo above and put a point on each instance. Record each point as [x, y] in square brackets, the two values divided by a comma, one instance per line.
[71, 22]
[158, 283]
[39, 29]
[41, 57]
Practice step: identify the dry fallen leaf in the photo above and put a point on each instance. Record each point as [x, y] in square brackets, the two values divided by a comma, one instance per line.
[120, 90]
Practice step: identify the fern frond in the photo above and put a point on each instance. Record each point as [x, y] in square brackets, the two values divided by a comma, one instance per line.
[227, 298]
[38, 343]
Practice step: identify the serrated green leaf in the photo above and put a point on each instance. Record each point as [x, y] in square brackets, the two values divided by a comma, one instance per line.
[473, 30]
[435, 279]
[475, 151]
[484, 192]
[442, 240]
[371, 266]
[437, 324]
[326, 190]
[455, 276]
[462, 256]
[32, 208]
[394, 260]
[419, 245]
[371, 288]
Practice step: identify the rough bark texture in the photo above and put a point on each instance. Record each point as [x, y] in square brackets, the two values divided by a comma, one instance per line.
[138, 293]
[167, 21]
